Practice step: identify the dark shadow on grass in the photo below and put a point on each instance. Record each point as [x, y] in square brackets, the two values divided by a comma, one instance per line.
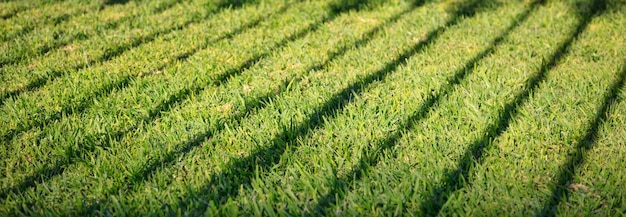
[73, 155]
[86, 102]
[340, 186]
[233, 3]
[567, 171]
[114, 2]
[457, 178]
[9, 15]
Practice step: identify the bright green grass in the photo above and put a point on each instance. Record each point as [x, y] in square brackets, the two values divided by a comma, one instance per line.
[336, 107]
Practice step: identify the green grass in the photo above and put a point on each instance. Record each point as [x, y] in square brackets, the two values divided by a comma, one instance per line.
[335, 107]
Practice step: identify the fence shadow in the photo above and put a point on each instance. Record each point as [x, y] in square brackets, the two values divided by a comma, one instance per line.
[340, 186]
[457, 178]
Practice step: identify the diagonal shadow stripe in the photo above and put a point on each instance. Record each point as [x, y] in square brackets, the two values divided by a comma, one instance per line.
[338, 188]
[456, 179]
[86, 102]
[77, 36]
[114, 2]
[109, 54]
[74, 155]
[567, 171]
[240, 171]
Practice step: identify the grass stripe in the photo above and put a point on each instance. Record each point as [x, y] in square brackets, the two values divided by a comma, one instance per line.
[395, 186]
[546, 129]
[44, 14]
[357, 108]
[603, 159]
[10, 9]
[147, 170]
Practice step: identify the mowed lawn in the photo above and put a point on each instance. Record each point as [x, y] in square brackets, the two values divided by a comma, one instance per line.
[333, 107]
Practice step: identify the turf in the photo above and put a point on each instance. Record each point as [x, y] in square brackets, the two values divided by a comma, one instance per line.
[335, 107]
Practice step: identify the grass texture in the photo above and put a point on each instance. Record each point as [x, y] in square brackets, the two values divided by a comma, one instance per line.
[308, 108]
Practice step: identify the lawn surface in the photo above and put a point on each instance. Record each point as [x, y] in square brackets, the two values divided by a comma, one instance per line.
[334, 107]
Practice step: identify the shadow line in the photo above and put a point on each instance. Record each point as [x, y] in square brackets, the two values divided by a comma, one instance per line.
[457, 179]
[114, 2]
[86, 102]
[567, 171]
[225, 185]
[340, 186]
[73, 155]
